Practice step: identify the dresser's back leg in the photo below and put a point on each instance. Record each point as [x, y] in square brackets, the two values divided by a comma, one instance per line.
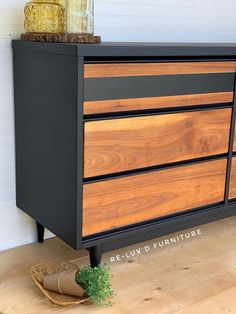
[95, 255]
[40, 232]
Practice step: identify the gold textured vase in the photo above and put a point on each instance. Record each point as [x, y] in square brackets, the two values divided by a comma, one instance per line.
[44, 16]
[79, 16]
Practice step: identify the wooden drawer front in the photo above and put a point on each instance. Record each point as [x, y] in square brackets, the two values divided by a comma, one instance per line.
[128, 200]
[234, 146]
[232, 190]
[140, 86]
[123, 144]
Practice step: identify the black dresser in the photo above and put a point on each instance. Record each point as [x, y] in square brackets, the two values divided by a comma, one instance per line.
[119, 143]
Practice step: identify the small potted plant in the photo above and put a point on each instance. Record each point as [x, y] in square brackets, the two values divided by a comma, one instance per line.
[96, 283]
[93, 283]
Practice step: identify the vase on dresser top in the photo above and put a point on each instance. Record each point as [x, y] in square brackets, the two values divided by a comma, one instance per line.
[44, 16]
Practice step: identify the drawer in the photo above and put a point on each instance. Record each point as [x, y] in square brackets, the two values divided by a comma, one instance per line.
[232, 189]
[234, 145]
[118, 145]
[139, 86]
[133, 199]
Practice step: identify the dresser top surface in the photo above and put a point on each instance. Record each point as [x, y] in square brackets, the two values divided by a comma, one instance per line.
[132, 49]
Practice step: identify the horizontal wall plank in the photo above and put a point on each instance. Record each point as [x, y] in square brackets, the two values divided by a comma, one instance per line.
[6, 102]
[5, 60]
[6, 75]
[10, 31]
[12, 4]
[12, 17]
[7, 169]
[161, 24]
[6, 88]
[123, 201]
[5, 47]
[9, 155]
[133, 9]
[181, 34]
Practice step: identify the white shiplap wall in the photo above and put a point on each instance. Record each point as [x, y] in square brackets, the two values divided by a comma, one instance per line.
[121, 20]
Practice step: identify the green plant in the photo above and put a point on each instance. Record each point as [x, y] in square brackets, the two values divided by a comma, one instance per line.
[96, 283]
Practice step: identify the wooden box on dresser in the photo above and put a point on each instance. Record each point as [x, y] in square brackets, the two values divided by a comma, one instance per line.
[118, 143]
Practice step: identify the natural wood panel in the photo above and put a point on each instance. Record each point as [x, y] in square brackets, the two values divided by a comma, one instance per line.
[128, 200]
[143, 69]
[234, 145]
[232, 190]
[119, 105]
[62, 38]
[130, 143]
[52, 249]
[214, 268]
[220, 303]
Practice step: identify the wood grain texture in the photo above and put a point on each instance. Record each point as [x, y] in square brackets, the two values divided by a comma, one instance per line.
[62, 38]
[234, 145]
[232, 190]
[214, 268]
[130, 143]
[143, 69]
[128, 200]
[120, 105]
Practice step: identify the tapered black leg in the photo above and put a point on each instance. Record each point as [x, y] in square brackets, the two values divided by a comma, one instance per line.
[95, 254]
[40, 232]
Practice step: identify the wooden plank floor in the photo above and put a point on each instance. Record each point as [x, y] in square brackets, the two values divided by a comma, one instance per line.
[193, 276]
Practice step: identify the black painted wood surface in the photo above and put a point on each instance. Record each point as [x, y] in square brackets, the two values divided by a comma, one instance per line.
[49, 96]
[112, 49]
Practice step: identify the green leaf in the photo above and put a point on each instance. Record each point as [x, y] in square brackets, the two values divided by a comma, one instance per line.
[96, 283]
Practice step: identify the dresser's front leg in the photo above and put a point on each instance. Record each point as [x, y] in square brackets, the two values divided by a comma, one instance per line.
[95, 255]
[40, 232]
